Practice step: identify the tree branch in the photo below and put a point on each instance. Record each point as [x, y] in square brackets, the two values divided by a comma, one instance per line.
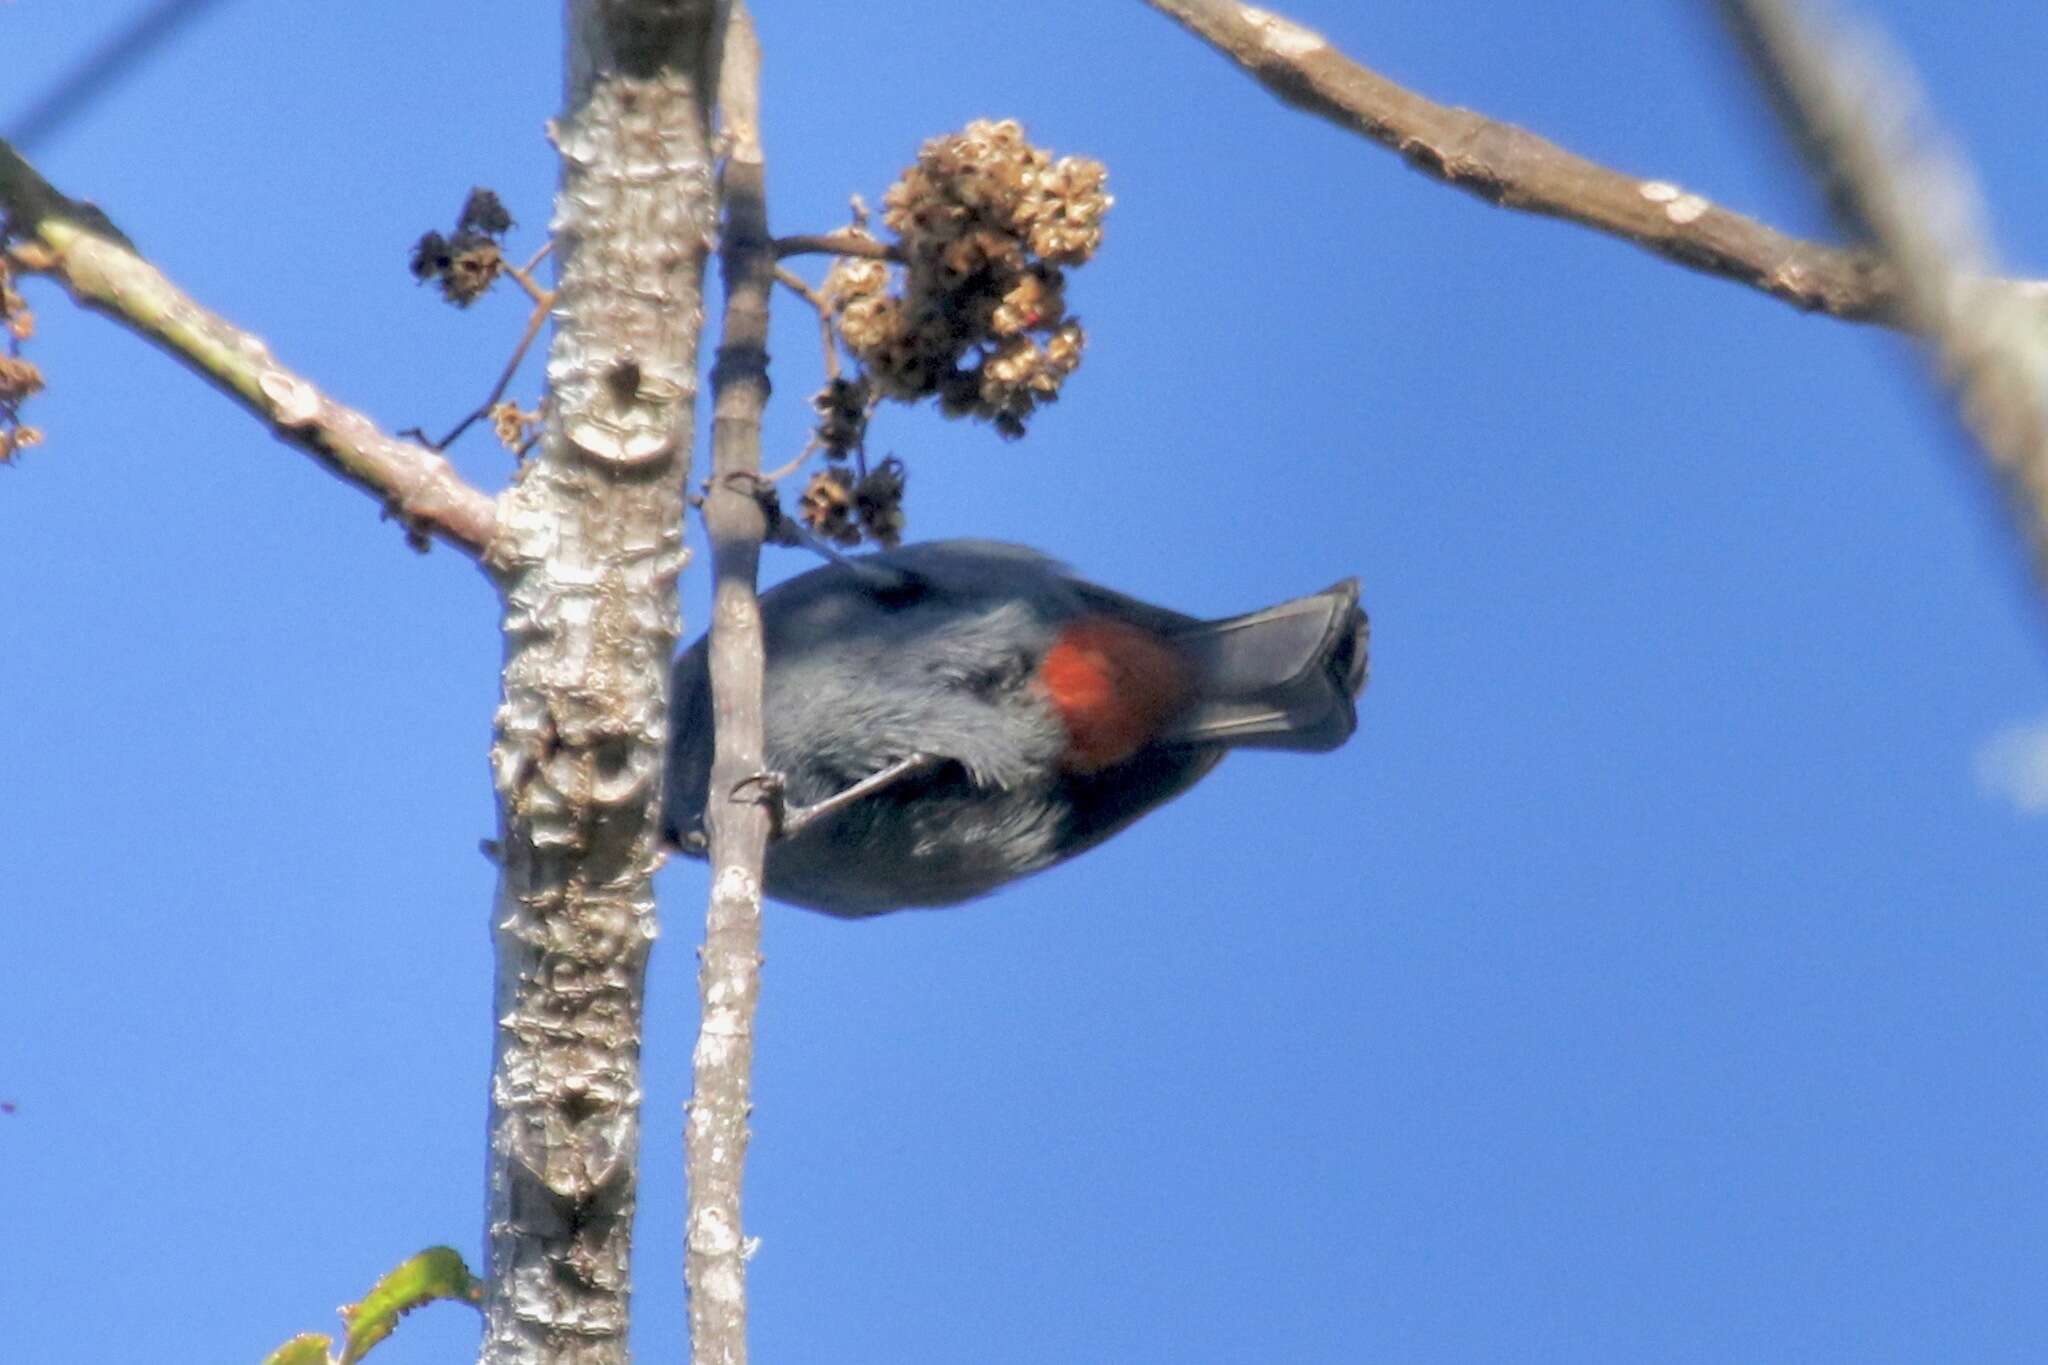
[1855, 112]
[836, 244]
[729, 974]
[1516, 169]
[587, 554]
[74, 244]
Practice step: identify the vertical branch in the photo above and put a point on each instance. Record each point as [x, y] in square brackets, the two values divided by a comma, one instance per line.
[1856, 115]
[588, 548]
[729, 974]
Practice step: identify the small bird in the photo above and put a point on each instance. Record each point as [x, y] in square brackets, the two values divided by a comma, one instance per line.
[943, 718]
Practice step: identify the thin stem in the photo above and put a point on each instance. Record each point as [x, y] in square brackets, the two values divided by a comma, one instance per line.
[781, 472]
[835, 244]
[790, 280]
[729, 979]
[533, 325]
[541, 297]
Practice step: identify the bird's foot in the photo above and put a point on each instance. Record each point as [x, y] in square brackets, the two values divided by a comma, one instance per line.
[785, 820]
[767, 789]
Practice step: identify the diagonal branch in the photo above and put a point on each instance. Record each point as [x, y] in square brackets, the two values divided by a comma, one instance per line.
[1516, 169]
[1855, 113]
[729, 980]
[75, 244]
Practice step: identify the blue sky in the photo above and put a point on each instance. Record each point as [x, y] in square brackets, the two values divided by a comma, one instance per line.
[1655, 976]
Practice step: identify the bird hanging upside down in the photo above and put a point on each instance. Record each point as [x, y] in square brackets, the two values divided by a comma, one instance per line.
[947, 717]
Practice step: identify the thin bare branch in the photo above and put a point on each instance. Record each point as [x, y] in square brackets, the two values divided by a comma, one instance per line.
[729, 978]
[534, 322]
[588, 551]
[783, 471]
[1856, 113]
[541, 297]
[793, 282]
[545, 250]
[75, 245]
[1516, 169]
[836, 244]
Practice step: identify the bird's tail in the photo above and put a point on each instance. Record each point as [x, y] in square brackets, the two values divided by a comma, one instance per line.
[1282, 678]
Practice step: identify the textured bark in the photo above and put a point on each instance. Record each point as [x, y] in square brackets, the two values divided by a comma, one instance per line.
[587, 554]
[76, 245]
[1854, 110]
[729, 974]
[1516, 169]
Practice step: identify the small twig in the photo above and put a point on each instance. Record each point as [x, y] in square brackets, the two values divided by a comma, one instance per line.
[1855, 111]
[729, 980]
[546, 248]
[542, 298]
[781, 472]
[835, 244]
[75, 245]
[1516, 169]
[534, 320]
[790, 280]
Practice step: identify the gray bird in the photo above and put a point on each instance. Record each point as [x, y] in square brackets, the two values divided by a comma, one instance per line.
[943, 718]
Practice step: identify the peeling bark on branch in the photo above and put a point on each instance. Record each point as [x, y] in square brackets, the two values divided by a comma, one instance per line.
[729, 974]
[75, 244]
[1516, 169]
[589, 548]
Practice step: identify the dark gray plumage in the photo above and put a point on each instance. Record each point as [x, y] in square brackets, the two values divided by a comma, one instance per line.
[943, 649]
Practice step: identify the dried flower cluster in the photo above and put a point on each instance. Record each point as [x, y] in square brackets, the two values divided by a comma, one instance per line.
[843, 406]
[470, 261]
[19, 378]
[513, 425]
[987, 224]
[843, 506]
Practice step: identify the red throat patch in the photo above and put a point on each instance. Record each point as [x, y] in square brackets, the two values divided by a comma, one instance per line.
[1114, 686]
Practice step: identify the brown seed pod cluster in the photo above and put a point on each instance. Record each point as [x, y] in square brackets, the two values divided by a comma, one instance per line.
[827, 505]
[513, 425]
[470, 261]
[843, 406]
[987, 224]
[842, 506]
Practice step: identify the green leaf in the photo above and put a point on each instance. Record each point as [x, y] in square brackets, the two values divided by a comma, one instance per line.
[436, 1273]
[308, 1348]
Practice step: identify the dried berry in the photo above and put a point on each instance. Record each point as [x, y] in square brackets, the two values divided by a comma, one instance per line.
[483, 212]
[842, 406]
[878, 502]
[469, 262]
[827, 506]
[513, 425]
